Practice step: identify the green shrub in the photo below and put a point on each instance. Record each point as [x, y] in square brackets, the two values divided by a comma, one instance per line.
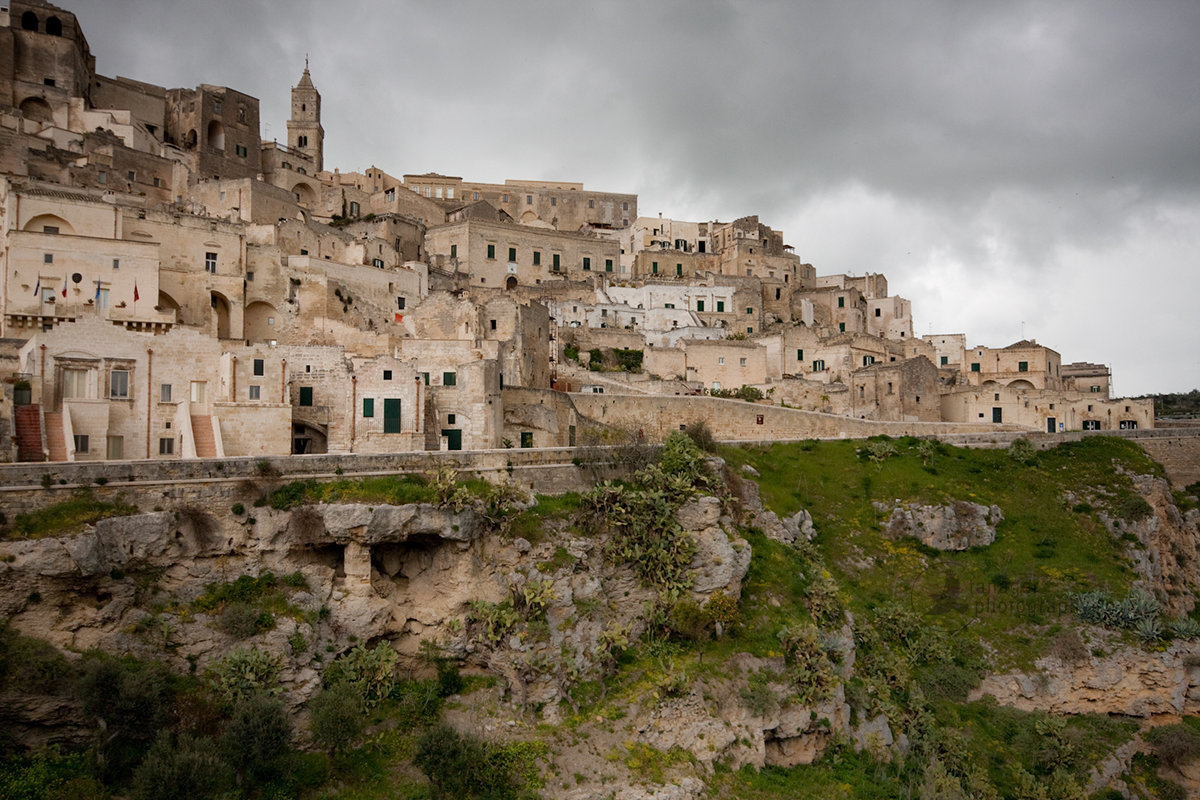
[461, 765]
[336, 719]
[449, 679]
[948, 682]
[628, 360]
[258, 734]
[32, 666]
[49, 776]
[68, 517]
[1175, 745]
[238, 509]
[372, 672]
[185, 769]
[1022, 451]
[242, 673]
[758, 697]
[246, 589]
[1133, 507]
[701, 435]
[242, 620]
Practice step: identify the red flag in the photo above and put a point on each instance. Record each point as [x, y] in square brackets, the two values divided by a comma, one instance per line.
[135, 292]
[64, 285]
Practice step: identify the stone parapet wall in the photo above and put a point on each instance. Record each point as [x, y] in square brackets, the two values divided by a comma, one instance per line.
[150, 483]
[739, 421]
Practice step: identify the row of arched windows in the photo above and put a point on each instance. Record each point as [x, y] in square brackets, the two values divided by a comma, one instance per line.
[30, 22]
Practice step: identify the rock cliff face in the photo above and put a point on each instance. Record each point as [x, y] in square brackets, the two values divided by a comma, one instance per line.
[405, 573]
[1165, 556]
[956, 526]
[1129, 681]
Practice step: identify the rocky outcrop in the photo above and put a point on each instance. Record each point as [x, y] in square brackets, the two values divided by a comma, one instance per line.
[957, 526]
[721, 559]
[786, 530]
[1165, 555]
[405, 573]
[1129, 681]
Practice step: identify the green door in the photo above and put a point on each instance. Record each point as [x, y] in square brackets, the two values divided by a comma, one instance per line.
[391, 415]
[453, 438]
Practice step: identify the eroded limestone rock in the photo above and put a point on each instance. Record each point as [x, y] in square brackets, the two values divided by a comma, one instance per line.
[957, 526]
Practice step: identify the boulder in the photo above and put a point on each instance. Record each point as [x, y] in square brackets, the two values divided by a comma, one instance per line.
[957, 526]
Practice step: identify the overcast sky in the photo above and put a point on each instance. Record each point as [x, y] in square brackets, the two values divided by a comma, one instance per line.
[1014, 168]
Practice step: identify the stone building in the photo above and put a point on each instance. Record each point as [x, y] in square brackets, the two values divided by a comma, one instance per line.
[1022, 365]
[44, 61]
[217, 129]
[111, 393]
[899, 391]
[505, 255]
[1093, 379]
[1051, 411]
[67, 254]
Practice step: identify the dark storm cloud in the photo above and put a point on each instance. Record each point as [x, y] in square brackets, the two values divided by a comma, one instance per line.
[1014, 146]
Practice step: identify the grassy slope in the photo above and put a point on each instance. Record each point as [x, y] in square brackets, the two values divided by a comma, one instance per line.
[1045, 549]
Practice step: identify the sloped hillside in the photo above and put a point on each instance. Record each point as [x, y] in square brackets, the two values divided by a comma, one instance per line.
[870, 619]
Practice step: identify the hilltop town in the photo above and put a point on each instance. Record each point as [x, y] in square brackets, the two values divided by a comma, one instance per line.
[175, 286]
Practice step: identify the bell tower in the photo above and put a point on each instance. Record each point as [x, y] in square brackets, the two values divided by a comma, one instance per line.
[305, 134]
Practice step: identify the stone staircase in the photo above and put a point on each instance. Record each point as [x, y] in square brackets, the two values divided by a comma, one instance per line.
[202, 432]
[56, 440]
[29, 433]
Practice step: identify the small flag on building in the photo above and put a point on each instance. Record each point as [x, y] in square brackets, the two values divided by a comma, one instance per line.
[38, 289]
[135, 292]
[64, 285]
[97, 290]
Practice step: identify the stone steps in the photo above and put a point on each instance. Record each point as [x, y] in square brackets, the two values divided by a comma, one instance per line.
[202, 434]
[29, 433]
[56, 440]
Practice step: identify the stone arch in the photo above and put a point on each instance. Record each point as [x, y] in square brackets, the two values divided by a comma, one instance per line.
[216, 135]
[511, 283]
[221, 313]
[37, 109]
[261, 321]
[309, 437]
[529, 216]
[305, 196]
[42, 221]
[54, 26]
[191, 139]
[29, 21]
[167, 303]
[1021, 383]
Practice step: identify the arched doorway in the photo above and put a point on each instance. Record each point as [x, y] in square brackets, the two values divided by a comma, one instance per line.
[54, 26]
[308, 437]
[216, 135]
[37, 109]
[305, 196]
[511, 283]
[261, 318]
[220, 307]
[57, 224]
[29, 21]
[190, 141]
[167, 303]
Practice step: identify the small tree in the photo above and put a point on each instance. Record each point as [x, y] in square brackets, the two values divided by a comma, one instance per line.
[258, 735]
[337, 717]
[187, 769]
[450, 761]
